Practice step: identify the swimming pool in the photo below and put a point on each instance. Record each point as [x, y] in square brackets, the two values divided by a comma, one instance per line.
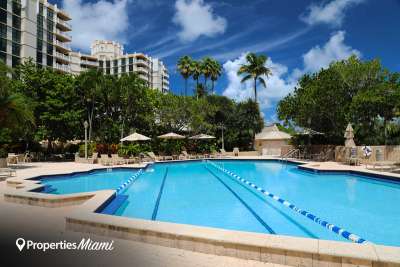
[197, 193]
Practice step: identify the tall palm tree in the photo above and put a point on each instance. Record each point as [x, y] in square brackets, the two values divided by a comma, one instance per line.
[196, 71]
[216, 71]
[184, 68]
[254, 69]
[206, 67]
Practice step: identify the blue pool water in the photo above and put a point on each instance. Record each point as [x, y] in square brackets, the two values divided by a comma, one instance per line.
[198, 194]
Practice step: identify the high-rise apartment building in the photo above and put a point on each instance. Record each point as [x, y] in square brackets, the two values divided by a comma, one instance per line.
[38, 30]
[34, 29]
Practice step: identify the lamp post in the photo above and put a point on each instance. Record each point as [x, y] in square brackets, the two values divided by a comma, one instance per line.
[86, 125]
[222, 127]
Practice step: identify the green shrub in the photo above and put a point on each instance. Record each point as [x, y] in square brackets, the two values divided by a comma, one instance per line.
[91, 149]
[3, 153]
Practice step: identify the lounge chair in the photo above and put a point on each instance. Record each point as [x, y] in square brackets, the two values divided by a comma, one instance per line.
[222, 153]
[153, 156]
[381, 164]
[9, 171]
[236, 151]
[117, 160]
[93, 158]
[105, 160]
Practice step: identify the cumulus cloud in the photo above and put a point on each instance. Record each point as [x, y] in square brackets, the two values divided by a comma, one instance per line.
[320, 57]
[197, 18]
[282, 82]
[97, 20]
[277, 85]
[331, 13]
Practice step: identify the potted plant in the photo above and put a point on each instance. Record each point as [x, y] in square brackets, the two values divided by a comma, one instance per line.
[3, 158]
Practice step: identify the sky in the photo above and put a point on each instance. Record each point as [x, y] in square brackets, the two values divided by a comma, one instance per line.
[298, 36]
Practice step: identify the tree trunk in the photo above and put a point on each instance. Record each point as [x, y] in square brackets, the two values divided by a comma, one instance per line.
[255, 89]
[186, 84]
[197, 87]
[212, 87]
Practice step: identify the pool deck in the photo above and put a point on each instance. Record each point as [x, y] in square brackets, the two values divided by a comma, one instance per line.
[148, 243]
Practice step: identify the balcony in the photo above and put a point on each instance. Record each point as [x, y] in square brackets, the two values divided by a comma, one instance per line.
[63, 25]
[63, 57]
[63, 35]
[63, 15]
[142, 70]
[64, 46]
[89, 63]
[62, 67]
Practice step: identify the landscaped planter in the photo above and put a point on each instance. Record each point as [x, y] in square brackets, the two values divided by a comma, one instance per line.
[3, 162]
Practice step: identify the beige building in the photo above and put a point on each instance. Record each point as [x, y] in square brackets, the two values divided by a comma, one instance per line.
[34, 29]
[271, 140]
[39, 30]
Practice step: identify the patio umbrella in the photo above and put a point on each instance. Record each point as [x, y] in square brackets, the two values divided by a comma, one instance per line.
[135, 137]
[171, 136]
[349, 135]
[202, 137]
[308, 131]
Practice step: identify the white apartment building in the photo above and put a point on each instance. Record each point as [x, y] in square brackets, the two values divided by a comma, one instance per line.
[39, 30]
[34, 29]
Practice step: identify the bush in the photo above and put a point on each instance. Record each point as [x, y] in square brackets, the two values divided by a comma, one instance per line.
[91, 149]
[3, 153]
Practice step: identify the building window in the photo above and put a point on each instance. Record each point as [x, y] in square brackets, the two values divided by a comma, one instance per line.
[49, 61]
[107, 71]
[3, 57]
[16, 22]
[39, 57]
[3, 45]
[108, 64]
[3, 4]
[15, 49]
[3, 31]
[15, 61]
[16, 8]
[123, 62]
[101, 64]
[123, 69]
[3, 16]
[50, 14]
[50, 37]
[115, 70]
[49, 49]
[41, 9]
[16, 36]
[39, 44]
[50, 26]
[115, 63]
[130, 68]
[131, 60]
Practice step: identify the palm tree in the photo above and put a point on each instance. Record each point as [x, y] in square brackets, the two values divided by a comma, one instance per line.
[254, 69]
[216, 71]
[196, 71]
[206, 67]
[184, 68]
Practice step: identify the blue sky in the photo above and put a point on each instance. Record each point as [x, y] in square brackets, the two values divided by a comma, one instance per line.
[298, 36]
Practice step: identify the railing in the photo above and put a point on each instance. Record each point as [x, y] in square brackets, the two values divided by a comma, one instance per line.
[64, 34]
[88, 62]
[65, 24]
[62, 56]
[63, 45]
[291, 154]
[65, 68]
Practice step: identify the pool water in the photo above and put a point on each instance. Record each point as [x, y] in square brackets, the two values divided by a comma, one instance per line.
[198, 194]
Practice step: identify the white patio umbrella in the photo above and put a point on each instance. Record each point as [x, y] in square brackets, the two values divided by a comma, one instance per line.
[202, 137]
[135, 137]
[171, 136]
[349, 135]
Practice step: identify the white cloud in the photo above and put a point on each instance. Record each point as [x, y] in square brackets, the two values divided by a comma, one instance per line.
[197, 18]
[320, 57]
[281, 82]
[331, 13]
[102, 20]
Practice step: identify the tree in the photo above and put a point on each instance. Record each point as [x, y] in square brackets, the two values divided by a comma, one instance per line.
[206, 69]
[255, 69]
[184, 67]
[363, 93]
[196, 71]
[15, 108]
[216, 71]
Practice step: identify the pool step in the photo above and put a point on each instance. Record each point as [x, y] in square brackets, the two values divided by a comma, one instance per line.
[114, 205]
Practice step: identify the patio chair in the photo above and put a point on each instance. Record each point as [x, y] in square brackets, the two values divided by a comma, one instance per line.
[153, 156]
[236, 151]
[353, 158]
[380, 163]
[222, 153]
[93, 158]
[8, 171]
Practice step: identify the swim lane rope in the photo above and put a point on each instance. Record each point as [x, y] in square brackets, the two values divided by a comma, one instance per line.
[336, 229]
[129, 181]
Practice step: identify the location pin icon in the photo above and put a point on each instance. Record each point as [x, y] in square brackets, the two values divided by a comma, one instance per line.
[20, 242]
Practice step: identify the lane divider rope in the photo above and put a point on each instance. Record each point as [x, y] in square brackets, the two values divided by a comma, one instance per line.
[129, 181]
[333, 228]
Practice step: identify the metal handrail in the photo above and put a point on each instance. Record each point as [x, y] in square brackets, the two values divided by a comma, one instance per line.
[290, 153]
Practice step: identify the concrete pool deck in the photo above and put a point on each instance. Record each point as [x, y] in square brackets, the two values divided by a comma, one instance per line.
[73, 215]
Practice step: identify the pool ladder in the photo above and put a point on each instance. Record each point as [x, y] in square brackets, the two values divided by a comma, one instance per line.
[290, 154]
